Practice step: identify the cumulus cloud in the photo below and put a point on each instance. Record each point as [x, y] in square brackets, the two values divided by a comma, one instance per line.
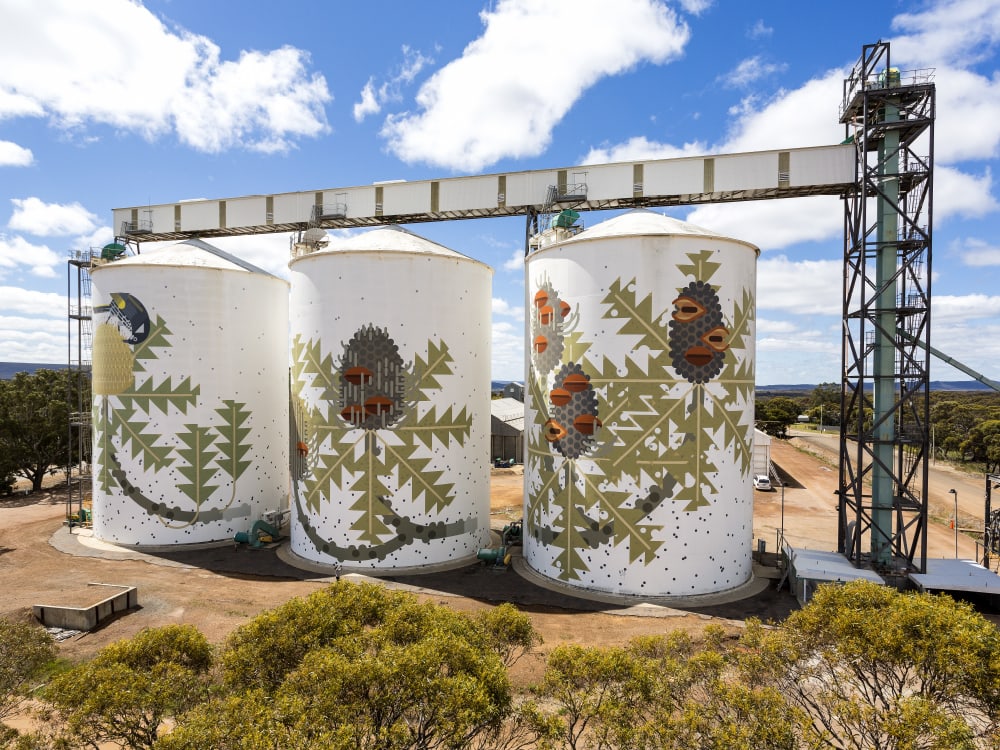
[750, 70]
[963, 308]
[17, 254]
[805, 287]
[12, 155]
[960, 194]
[491, 103]
[369, 104]
[968, 107]
[34, 216]
[32, 303]
[954, 32]
[515, 262]
[641, 148]
[503, 307]
[373, 99]
[508, 351]
[977, 253]
[127, 70]
[760, 30]
[695, 7]
[775, 224]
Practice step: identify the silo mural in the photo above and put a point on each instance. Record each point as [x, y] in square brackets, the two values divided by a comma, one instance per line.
[639, 408]
[190, 396]
[390, 383]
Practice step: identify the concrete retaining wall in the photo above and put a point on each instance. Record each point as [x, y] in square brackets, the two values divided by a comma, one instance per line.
[88, 618]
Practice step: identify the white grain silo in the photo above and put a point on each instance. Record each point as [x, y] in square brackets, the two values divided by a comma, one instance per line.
[390, 351]
[190, 382]
[639, 408]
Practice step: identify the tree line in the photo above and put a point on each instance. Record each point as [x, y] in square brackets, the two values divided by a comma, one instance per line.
[357, 666]
[35, 431]
[964, 426]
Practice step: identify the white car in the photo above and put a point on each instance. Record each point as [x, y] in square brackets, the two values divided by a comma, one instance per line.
[761, 482]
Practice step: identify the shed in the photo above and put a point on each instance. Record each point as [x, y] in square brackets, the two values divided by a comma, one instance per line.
[514, 390]
[506, 430]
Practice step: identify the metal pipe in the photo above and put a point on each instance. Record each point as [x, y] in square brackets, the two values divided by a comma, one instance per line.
[955, 522]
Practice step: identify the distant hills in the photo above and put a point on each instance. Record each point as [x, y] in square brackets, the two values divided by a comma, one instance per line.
[10, 369]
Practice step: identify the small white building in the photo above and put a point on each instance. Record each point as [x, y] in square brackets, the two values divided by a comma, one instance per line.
[761, 453]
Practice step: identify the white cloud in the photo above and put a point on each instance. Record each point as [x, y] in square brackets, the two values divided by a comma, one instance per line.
[640, 148]
[41, 219]
[806, 116]
[803, 287]
[507, 351]
[968, 107]
[953, 32]
[17, 253]
[515, 262]
[695, 7]
[369, 104]
[372, 99]
[12, 155]
[964, 195]
[801, 341]
[31, 340]
[492, 103]
[952, 309]
[503, 307]
[977, 253]
[775, 224]
[974, 342]
[126, 69]
[32, 303]
[759, 30]
[766, 326]
[748, 71]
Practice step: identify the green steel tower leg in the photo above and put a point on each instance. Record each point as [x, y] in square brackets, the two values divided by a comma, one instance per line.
[884, 359]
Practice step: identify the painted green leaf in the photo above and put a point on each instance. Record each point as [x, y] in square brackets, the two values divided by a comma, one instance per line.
[157, 339]
[104, 429]
[198, 468]
[311, 368]
[635, 316]
[700, 267]
[139, 441]
[446, 427]
[232, 436]
[370, 526]
[424, 482]
[331, 463]
[147, 396]
[427, 371]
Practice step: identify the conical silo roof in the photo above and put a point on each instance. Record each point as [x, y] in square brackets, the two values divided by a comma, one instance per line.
[643, 222]
[190, 253]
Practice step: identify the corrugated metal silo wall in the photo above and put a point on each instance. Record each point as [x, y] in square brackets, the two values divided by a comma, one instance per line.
[637, 478]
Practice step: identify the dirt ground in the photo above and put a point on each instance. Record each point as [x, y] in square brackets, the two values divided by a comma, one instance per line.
[220, 588]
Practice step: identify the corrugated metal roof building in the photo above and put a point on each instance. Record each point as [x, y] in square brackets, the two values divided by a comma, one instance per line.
[506, 430]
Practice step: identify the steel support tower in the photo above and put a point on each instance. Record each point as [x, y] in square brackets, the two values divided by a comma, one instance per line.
[78, 361]
[884, 433]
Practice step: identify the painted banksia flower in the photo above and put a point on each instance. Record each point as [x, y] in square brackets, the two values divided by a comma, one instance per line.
[698, 337]
[573, 420]
[372, 380]
[547, 326]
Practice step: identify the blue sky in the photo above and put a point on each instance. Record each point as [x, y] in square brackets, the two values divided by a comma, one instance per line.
[116, 103]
